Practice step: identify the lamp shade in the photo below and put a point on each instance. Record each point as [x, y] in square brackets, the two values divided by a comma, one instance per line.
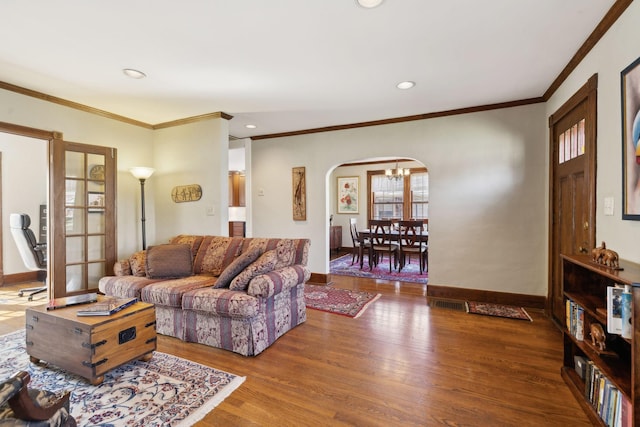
[142, 172]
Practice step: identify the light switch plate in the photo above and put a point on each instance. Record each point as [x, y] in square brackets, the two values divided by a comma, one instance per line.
[608, 206]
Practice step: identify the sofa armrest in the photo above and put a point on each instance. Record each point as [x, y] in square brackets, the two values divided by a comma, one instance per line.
[268, 284]
[122, 268]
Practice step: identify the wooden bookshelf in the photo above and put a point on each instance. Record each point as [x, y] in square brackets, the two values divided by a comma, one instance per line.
[585, 283]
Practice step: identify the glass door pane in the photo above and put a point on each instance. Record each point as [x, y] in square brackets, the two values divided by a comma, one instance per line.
[85, 222]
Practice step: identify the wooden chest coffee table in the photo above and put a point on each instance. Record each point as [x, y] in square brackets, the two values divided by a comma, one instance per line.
[90, 346]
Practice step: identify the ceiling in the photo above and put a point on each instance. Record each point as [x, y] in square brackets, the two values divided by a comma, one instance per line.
[290, 65]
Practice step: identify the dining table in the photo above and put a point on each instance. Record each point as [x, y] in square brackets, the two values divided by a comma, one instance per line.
[366, 234]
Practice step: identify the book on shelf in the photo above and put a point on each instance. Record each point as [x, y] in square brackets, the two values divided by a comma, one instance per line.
[73, 300]
[607, 400]
[626, 311]
[575, 319]
[107, 306]
[614, 309]
[579, 323]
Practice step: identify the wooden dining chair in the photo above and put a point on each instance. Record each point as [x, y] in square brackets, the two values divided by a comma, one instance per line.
[382, 242]
[413, 242]
[360, 244]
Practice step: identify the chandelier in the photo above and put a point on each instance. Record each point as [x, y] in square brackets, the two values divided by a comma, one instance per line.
[397, 173]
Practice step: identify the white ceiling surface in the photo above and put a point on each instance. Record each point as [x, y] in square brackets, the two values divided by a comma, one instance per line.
[287, 65]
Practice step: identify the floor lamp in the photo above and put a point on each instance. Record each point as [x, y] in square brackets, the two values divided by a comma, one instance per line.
[142, 174]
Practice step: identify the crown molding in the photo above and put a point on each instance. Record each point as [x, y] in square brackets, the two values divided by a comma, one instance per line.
[187, 120]
[405, 119]
[71, 104]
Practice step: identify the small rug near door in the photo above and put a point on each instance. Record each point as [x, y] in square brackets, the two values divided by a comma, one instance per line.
[498, 310]
[165, 391]
[410, 273]
[338, 301]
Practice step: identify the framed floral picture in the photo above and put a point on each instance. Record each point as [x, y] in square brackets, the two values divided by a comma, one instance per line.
[348, 187]
[630, 87]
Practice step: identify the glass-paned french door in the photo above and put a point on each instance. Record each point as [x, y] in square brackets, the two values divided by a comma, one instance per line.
[83, 216]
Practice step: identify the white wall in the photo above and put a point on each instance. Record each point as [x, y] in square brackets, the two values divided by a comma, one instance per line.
[617, 49]
[488, 186]
[24, 179]
[134, 145]
[195, 153]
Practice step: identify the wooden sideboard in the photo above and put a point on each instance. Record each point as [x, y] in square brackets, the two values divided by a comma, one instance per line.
[335, 238]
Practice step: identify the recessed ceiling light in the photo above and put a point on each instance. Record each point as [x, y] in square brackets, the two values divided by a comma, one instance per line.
[369, 4]
[405, 85]
[134, 74]
[250, 126]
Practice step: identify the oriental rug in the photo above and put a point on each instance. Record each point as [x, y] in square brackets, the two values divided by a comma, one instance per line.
[338, 301]
[165, 391]
[410, 273]
[498, 310]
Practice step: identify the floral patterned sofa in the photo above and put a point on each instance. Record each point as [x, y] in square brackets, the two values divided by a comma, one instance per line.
[239, 294]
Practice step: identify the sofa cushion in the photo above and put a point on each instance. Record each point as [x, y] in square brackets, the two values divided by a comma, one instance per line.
[124, 286]
[264, 264]
[286, 250]
[122, 268]
[169, 293]
[301, 247]
[137, 263]
[194, 242]
[221, 301]
[215, 254]
[169, 261]
[236, 267]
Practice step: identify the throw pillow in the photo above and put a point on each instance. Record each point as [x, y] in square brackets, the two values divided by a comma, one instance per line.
[169, 261]
[236, 267]
[286, 250]
[138, 262]
[264, 264]
[122, 268]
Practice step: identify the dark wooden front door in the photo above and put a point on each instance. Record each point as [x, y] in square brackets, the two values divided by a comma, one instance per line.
[573, 186]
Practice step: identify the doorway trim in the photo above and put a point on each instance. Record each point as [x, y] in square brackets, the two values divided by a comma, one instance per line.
[587, 95]
[29, 132]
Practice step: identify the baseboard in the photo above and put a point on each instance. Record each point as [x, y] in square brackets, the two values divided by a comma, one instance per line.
[522, 300]
[12, 279]
[319, 279]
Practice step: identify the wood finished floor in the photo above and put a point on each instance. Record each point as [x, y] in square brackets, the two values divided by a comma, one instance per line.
[401, 363]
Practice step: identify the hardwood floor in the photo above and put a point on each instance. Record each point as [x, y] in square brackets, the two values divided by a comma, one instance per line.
[400, 363]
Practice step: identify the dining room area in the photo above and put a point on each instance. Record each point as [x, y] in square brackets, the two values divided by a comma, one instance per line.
[378, 223]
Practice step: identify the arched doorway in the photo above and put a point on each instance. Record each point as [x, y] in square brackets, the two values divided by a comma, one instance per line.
[376, 196]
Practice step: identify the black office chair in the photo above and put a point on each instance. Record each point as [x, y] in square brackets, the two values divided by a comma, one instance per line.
[34, 254]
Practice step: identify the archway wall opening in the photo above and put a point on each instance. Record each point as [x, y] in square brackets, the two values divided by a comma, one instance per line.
[488, 198]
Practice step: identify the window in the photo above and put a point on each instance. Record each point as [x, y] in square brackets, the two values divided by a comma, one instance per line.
[405, 198]
[419, 195]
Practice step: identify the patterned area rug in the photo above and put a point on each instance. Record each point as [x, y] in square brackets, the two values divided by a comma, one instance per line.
[498, 310]
[410, 273]
[165, 391]
[338, 301]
